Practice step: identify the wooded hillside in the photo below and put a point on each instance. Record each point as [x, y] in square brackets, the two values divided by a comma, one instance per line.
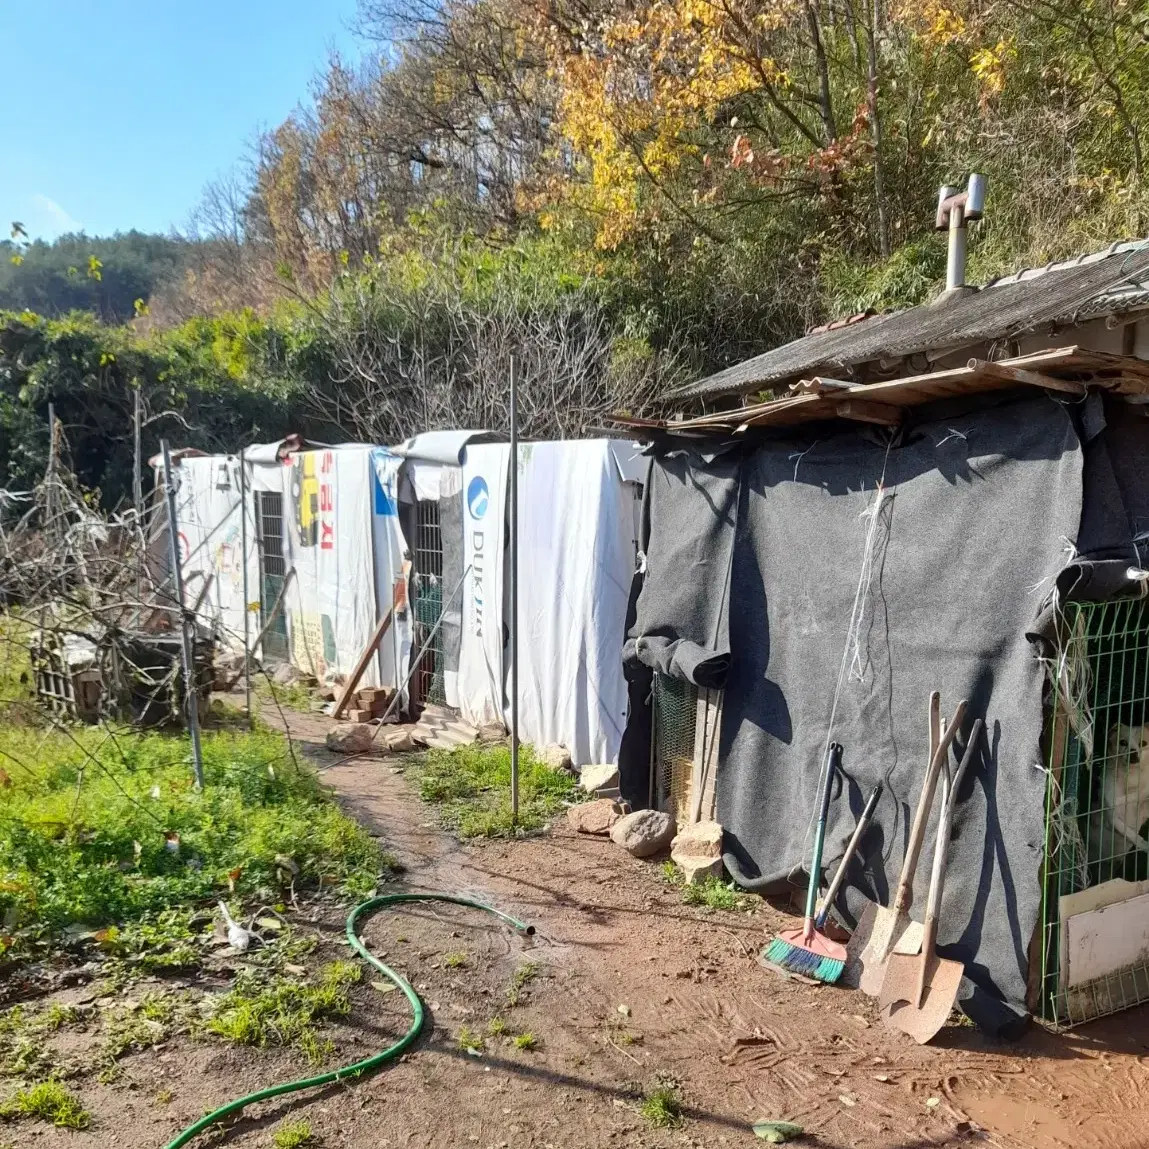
[628, 193]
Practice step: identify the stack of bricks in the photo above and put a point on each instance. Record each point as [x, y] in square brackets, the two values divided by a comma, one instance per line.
[369, 703]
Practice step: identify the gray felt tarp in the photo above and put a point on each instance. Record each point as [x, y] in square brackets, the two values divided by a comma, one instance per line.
[976, 516]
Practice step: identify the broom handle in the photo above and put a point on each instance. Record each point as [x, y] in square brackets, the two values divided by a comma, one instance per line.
[941, 854]
[851, 850]
[832, 765]
[905, 892]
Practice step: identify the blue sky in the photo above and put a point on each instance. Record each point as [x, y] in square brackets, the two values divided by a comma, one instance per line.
[115, 114]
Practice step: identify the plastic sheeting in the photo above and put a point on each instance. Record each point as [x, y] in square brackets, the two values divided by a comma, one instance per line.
[576, 560]
[332, 600]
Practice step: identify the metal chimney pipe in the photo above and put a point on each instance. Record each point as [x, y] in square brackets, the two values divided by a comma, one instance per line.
[955, 209]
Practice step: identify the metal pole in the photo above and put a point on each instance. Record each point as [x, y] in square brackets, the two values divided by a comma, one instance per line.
[191, 702]
[514, 589]
[246, 590]
[138, 495]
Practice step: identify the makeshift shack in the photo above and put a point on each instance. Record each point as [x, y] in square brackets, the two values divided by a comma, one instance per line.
[951, 497]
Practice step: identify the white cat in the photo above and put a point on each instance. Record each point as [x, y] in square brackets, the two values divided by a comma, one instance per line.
[1124, 796]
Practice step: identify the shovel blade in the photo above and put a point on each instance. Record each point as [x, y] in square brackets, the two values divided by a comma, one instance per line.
[898, 999]
[888, 926]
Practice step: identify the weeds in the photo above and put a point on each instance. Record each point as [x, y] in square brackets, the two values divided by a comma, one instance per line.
[294, 1135]
[456, 960]
[717, 895]
[470, 1041]
[102, 832]
[671, 874]
[471, 787]
[525, 1041]
[496, 1027]
[520, 979]
[662, 1108]
[48, 1101]
[285, 1012]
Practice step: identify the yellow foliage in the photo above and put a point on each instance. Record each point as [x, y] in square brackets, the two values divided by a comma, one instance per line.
[989, 65]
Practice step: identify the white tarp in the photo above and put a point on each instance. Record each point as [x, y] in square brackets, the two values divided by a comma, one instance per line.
[210, 537]
[331, 602]
[576, 558]
[390, 549]
[479, 687]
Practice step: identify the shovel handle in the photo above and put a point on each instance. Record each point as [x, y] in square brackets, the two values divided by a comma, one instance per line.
[945, 736]
[833, 765]
[941, 856]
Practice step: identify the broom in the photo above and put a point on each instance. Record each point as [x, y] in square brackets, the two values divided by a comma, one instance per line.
[806, 951]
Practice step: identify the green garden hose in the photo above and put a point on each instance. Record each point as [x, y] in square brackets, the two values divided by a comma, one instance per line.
[373, 1062]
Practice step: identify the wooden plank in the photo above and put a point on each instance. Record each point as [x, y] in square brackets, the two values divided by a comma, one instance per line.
[863, 411]
[1026, 377]
[360, 666]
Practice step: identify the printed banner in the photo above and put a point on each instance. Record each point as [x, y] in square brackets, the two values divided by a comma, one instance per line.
[484, 502]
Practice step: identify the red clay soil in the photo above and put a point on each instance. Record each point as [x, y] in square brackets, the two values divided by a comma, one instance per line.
[632, 988]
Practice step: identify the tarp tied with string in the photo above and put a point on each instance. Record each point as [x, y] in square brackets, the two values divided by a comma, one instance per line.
[829, 585]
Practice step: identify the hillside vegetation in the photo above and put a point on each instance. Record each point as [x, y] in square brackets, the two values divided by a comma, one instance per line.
[624, 193]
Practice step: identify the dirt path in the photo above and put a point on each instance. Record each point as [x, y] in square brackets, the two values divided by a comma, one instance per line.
[622, 987]
[742, 1043]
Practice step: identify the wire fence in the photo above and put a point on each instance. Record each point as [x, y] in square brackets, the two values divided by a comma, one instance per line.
[427, 594]
[1097, 807]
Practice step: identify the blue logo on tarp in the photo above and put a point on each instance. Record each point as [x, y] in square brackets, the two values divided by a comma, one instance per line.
[477, 497]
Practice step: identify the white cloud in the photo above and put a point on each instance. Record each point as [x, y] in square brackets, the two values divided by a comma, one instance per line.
[51, 219]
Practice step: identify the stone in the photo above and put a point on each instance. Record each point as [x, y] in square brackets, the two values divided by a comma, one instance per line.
[695, 869]
[399, 741]
[595, 778]
[358, 714]
[492, 732]
[555, 756]
[284, 674]
[595, 817]
[698, 839]
[643, 833]
[351, 738]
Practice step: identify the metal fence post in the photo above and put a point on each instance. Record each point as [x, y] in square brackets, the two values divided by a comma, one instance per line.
[514, 635]
[191, 695]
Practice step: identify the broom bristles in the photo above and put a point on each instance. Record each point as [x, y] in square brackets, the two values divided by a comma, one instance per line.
[797, 959]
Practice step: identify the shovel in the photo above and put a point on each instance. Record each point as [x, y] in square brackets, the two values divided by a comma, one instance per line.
[884, 929]
[919, 990]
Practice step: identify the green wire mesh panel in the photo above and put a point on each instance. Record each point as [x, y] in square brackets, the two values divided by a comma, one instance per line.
[675, 713]
[272, 572]
[428, 606]
[1097, 807]
[428, 586]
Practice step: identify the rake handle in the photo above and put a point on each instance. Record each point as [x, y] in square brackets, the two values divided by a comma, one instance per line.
[851, 850]
[833, 764]
[944, 738]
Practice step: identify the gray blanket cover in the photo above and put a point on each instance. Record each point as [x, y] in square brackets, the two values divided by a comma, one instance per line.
[756, 559]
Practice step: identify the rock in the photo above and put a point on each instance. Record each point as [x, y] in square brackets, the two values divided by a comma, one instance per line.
[399, 741]
[698, 840]
[595, 778]
[555, 756]
[644, 832]
[284, 674]
[350, 738]
[696, 870]
[492, 732]
[595, 817]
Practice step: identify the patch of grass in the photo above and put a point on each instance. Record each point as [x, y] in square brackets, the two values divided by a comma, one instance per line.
[289, 696]
[285, 1012]
[165, 1097]
[496, 1027]
[471, 786]
[469, 1040]
[456, 960]
[294, 1135]
[48, 1101]
[717, 895]
[88, 822]
[661, 1108]
[520, 979]
[525, 1041]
